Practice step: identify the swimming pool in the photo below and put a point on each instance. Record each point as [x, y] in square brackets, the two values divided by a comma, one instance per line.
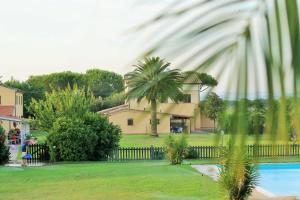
[280, 179]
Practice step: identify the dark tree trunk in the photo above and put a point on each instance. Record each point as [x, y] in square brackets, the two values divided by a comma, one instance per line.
[153, 118]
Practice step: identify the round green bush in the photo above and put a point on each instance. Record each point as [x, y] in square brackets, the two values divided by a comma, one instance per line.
[108, 135]
[71, 140]
[90, 138]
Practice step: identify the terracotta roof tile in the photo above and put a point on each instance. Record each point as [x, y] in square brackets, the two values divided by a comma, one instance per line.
[7, 110]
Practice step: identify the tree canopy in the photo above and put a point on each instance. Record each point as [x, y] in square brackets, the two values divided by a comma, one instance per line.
[205, 80]
[102, 84]
[71, 102]
[213, 107]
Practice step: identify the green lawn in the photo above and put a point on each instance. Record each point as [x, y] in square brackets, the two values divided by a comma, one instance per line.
[193, 140]
[102, 180]
[40, 135]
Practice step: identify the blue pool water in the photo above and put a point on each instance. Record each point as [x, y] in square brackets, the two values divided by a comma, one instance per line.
[280, 179]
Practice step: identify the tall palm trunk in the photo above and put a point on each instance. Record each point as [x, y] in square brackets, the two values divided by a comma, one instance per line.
[153, 118]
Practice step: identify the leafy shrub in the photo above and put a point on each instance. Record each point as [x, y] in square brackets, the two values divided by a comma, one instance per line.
[89, 138]
[70, 103]
[191, 153]
[108, 135]
[4, 150]
[238, 176]
[176, 149]
[34, 124]
[71, 140]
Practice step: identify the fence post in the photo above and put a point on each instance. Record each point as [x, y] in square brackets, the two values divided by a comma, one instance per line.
[152, 156]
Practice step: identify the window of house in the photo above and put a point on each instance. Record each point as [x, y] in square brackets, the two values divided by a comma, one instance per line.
[130, 122]
[187, 98]
[158, 121]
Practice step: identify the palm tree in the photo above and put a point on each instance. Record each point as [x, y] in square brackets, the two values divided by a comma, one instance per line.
[153, 81]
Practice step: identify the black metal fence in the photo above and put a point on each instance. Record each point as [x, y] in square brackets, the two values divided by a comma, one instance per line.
[137, 153]
[204, 152]
[38, 152]
[273, 150]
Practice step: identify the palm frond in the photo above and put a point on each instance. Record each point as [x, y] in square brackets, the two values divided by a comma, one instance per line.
[262, 35]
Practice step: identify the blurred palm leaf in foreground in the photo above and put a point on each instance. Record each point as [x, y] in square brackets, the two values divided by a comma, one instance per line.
[256, 42]
[252, 45]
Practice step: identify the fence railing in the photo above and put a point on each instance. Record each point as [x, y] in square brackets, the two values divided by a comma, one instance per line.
[203, 152]
[273, 150]
[138, 153]
[206, 152]
[38, 152]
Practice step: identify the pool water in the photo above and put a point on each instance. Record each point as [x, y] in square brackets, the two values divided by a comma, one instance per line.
[280, 179]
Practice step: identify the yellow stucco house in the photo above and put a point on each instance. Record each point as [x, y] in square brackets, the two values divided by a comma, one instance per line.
[134, 117]
[11, 107]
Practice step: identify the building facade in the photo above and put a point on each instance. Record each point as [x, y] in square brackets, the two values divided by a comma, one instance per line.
[11, 107]
[135, 118]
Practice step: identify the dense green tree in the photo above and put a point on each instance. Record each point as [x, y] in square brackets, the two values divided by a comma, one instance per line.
[108, 135]
[205, 80]
[213, 107]
[70, 102]
[4, 150]
[153, 81]
[61, 80]
[257, 116]
[109, 102]
[71, 140]
[104, 83]
[90, 137]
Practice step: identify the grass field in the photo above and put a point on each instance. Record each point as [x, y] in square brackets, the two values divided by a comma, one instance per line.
[101, 181]
[40, 135]
[193, 140]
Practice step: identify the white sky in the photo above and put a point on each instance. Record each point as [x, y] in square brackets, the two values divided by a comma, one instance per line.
[38, 37]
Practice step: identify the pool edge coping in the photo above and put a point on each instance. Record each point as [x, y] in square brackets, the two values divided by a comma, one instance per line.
[212, 172]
